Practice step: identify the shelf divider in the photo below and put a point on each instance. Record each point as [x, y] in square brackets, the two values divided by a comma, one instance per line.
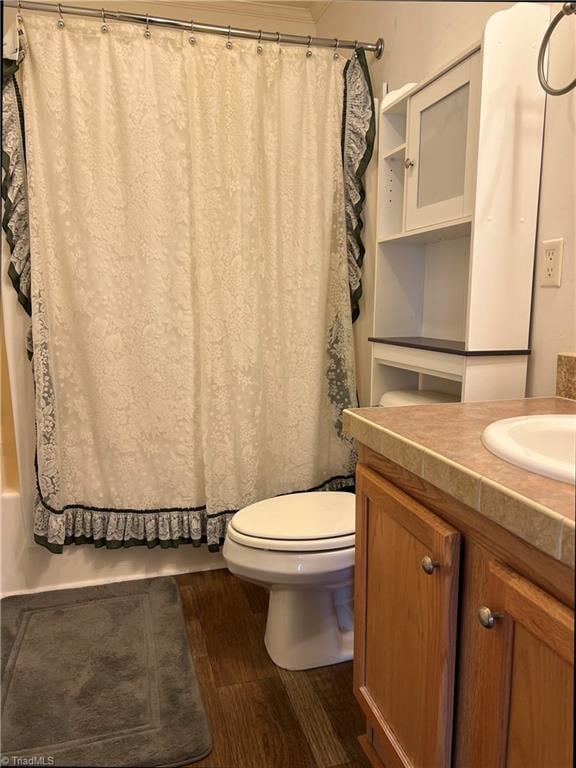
[445, 231]
[396, 151]
[446, 346]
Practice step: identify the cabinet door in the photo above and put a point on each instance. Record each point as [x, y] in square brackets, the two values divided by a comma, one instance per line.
[526, 690]
[405, 630]
[441, 150]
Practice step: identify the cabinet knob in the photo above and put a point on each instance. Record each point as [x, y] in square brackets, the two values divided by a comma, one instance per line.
[487, 618]
[428, 565]
[408, 163]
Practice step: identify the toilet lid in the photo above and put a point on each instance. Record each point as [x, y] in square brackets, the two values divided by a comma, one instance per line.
[319, 515]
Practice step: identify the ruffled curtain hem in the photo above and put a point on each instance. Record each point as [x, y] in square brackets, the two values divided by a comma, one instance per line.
[167, 529]
[14, 191]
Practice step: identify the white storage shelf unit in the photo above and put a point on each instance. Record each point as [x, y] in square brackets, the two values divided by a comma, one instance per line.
[453, 277]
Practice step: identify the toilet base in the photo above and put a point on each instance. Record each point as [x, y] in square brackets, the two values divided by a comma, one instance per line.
[303, 629]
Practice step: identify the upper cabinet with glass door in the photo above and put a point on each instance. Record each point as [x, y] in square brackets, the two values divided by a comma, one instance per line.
[441, 151]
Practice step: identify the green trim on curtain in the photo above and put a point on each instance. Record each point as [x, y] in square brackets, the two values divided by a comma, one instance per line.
[358, 136]
[13, 190]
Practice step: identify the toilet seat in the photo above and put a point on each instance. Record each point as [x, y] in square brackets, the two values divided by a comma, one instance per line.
[302, 522]
[291, 545]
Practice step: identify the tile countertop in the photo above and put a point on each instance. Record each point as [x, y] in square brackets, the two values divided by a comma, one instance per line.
[441, 444]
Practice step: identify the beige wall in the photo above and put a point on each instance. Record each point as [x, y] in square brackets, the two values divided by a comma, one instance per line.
[419, 39]
[268, 16]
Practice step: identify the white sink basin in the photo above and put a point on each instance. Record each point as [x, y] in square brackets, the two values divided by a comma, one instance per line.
[542, 444]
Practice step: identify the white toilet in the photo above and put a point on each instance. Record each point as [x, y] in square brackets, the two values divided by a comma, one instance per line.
[300, 547]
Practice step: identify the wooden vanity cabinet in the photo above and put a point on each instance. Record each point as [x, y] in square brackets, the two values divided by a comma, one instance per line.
[442, 684]
[525, 679]
[406, 599]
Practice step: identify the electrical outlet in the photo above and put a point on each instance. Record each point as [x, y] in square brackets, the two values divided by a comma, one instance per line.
[552, 263]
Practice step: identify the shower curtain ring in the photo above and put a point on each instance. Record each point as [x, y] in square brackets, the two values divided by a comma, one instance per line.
[336, 54]
[104, 26]
[147, 33]
[278, 38]
[259, 49]
[19, 18]
[192, 39]
[309, 51]
[61, 24]
[229, 43]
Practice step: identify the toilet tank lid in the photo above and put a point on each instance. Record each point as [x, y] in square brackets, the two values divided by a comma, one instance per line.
[299, 516]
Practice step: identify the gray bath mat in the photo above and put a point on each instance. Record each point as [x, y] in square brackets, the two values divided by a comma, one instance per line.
[100, 676]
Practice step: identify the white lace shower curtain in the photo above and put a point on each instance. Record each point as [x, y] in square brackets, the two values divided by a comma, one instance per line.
[191, 316]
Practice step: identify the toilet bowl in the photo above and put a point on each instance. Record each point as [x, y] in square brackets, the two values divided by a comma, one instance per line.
[301, 548]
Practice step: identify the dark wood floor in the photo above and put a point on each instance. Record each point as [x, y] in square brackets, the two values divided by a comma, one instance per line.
[262, 716]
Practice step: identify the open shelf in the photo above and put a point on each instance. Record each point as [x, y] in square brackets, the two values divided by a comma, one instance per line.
[443, 365]
[396, 102]
[432, 234]
[394, 398]
[448, 346]
[391, 190]
[393, 129]
[426, 291]
[422, 387]
[396, 153]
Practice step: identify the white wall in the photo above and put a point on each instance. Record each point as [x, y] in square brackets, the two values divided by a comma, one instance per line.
[554, 309]
[419, 39]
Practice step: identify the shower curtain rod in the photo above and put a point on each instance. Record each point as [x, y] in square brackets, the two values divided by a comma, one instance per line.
[160, 21]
